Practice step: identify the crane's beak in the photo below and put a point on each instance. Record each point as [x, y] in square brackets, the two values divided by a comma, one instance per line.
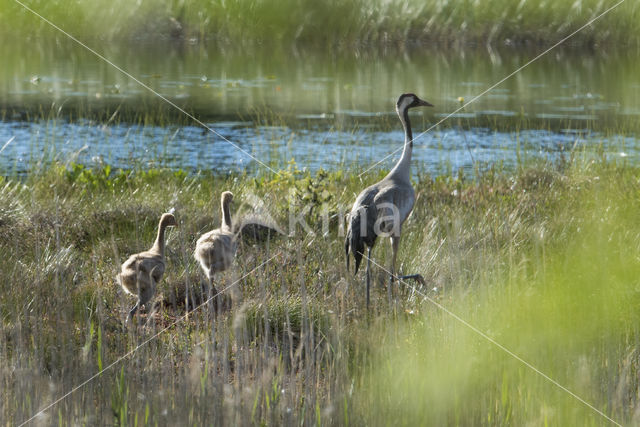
[423, 103]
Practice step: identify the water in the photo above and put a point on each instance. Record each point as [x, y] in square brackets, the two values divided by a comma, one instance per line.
[325, 111]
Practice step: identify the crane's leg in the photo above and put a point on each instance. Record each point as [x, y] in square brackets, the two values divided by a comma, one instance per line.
[212, 289]
[146, 294]
[133, 311]
[139, 303]
[395, 243]
[368, 274]
[214, 297]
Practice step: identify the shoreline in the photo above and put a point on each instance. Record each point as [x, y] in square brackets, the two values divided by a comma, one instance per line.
[340, 24]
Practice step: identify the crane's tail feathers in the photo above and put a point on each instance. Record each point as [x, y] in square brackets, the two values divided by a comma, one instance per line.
[346, 250]
[354, 241]
[358, 257]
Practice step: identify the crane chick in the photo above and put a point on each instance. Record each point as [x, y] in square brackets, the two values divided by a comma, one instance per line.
[216, 249]
[141, 273]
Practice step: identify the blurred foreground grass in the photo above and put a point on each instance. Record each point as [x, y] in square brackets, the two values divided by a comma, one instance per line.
[568, 303]
[543, 260]
[336, 22]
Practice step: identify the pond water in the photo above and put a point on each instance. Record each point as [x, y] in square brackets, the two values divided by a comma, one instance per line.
[325, 110]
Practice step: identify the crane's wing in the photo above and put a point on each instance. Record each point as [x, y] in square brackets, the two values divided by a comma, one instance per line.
[394, 203]
[152, 267]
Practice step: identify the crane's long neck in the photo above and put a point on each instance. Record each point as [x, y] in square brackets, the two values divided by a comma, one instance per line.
[226, 214]
[401, 169]
[158, 245]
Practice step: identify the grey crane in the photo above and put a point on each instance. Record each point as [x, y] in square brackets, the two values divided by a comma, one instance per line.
[141, 273]
[382, 208]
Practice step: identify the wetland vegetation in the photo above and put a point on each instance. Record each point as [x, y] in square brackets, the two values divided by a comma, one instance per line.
[525, 225]
[542, 259]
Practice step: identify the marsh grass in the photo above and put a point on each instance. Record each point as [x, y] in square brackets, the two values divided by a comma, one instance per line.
[334, 22]
[541, 259]
[561, 294]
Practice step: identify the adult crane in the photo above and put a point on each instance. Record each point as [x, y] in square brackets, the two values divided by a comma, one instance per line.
[382, 208]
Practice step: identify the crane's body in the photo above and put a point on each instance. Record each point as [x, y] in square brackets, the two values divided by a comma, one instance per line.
[382, 208]
[215, 251]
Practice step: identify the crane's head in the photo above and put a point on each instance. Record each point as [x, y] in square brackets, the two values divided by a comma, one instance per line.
[409, 100]
[168, 219]
[226, 197]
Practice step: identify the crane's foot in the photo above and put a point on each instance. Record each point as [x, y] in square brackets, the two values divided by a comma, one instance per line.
[417, 277]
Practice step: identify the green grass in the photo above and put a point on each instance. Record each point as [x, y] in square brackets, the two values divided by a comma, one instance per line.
[567, 303]
[542, 259]
[337, 22]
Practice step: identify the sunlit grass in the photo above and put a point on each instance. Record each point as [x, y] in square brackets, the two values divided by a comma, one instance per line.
[566, 302]
[542, 259]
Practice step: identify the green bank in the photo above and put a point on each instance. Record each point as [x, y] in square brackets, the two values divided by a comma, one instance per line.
[334, 22]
